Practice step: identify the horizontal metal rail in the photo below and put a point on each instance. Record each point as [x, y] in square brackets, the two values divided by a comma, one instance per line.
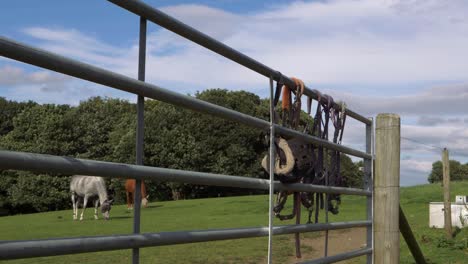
[156, 16]
[68, 165]
[38, 57]
[63, 246]
[340, 257]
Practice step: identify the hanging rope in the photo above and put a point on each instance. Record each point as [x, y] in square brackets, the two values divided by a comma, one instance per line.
[271, 169]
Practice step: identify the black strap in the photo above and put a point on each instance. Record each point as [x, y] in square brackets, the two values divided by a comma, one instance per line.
[319, 173]
[279, 86]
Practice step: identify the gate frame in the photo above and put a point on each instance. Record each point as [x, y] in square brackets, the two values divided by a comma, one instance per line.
[66, 165]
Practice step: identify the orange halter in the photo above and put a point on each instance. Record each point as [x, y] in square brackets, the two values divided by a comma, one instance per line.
[286, 94]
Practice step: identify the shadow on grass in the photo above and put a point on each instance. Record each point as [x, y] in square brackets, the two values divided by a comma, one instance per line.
[456, 231]
[128, 211]
[120, 217]
[153, 206]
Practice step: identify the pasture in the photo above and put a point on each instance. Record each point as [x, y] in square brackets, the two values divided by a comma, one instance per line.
[246, 211]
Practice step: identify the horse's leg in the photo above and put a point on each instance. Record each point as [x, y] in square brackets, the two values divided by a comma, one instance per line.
[75, 205]
[96, 204]
[85, 201]
[144, 197]
[129, 200]
[308, 202]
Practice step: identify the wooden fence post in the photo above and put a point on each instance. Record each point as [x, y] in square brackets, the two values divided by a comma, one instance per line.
[447, 204]
[387, 189]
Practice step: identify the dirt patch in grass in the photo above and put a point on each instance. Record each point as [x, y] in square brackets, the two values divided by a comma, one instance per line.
[339, 241]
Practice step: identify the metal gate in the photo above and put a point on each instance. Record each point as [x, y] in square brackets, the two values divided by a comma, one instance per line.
[67, 165]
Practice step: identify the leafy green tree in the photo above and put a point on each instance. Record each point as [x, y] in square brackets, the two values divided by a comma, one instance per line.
[436, 172]
[458, 171]
[353, 176]
[233, 148]
[464, 171]
[86, 131]
[42, 129]
[104, 129]
[7, 180]
[182, 139]
[42, 192]
[95, 121]
[9, 110]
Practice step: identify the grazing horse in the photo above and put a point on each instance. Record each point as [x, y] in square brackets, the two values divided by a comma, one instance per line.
[88, 187]
[130, 190]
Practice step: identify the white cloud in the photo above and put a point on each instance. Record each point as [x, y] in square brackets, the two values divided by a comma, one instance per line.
[417, 165]
[12, 76]
[332, 42]
[435, 120]
[336, 43]
[435, 134]
[358, 41]
[49, 87]
[70, 93]
[414, 172]
[77, 45]
[441, 100]
[218, 23]
[76, 42]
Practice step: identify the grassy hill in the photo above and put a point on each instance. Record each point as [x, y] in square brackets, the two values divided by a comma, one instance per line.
[415, 203]
[232, 212]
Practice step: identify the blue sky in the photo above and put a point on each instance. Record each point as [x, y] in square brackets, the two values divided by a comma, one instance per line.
[406, 57]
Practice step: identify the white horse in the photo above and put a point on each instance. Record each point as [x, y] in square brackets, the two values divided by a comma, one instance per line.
[87, 187]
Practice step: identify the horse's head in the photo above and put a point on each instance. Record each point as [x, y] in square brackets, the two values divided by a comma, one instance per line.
[144, 201]
[106, 207]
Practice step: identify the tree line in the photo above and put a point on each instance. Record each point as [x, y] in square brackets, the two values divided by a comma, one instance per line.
[105, 129]
[458, 171]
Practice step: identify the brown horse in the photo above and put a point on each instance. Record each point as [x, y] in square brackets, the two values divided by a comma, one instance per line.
[130, 190]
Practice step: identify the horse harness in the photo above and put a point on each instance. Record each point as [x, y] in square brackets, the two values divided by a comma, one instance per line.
[300, 162]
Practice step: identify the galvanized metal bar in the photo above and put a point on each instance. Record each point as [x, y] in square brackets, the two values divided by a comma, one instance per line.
[272, 174]
[325, 250]
[290, 133]
[68, 165]
[139, 136]
[22, 52]
[368, 185]
[156, 16]
[340, 257]
[297, 237]
[63, 246]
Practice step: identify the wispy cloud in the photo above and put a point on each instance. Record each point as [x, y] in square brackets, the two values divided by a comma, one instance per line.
[12, 76]
[332, 42]
[49, 87]
[435, 120]
[440, 100]
[335, 43]
[78, 45]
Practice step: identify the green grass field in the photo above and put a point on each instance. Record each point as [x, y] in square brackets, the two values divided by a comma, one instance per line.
[232, 212]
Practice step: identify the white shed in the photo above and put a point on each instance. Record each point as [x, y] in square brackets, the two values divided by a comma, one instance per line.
[459, 214]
